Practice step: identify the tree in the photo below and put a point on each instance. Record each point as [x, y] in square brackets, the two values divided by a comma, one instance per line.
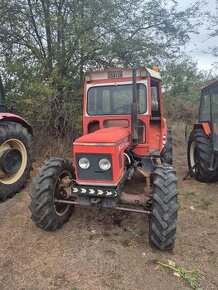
[46, 46]
[212, 20]
[182, 83]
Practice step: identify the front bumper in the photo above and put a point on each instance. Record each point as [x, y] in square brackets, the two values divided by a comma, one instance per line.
[94, 191]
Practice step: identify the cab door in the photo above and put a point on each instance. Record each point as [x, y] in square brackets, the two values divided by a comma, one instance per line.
[214, 116]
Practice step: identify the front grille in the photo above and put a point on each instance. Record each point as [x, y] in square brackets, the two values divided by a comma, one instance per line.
[94, 172]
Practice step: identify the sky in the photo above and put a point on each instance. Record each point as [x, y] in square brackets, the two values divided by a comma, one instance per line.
[199, 45]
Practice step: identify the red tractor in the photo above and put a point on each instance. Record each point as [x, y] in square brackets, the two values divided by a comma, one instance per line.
[203, 140]
[15, 150]
[123, 131]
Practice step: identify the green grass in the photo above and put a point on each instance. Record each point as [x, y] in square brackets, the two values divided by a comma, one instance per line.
[114, 240]
[214, 262]
[204, 204]
[19, 196]
[190, 194]
[211, 217]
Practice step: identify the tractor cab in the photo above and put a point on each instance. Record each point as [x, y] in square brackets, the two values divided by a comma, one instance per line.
[108, 102]
[208, 113]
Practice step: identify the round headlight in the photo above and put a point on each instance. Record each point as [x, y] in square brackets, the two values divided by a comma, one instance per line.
[84, 163]
[104, 164]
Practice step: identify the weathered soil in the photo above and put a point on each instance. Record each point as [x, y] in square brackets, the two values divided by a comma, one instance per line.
[100, 249]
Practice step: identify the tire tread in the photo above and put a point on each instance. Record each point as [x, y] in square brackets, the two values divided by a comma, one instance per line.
[163, 219]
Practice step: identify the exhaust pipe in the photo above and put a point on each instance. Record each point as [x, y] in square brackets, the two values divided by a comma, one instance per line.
[134, 112]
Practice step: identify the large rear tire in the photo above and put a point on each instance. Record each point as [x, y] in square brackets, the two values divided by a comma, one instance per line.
[192, 154]
[15, 158]
[163, 218]
[167, 152]
[46, 188]
[200, 151]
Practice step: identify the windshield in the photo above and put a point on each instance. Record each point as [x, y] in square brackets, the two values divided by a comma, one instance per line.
[115, 100]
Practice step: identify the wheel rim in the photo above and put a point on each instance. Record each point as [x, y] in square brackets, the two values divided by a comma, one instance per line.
[11, 144]
[61, 193]
[193, 156]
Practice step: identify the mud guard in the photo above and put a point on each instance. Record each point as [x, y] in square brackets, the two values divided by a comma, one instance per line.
[16, 119]
[205, 127]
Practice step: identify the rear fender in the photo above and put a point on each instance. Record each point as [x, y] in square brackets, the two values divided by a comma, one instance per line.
[204, 126]
[16, 119]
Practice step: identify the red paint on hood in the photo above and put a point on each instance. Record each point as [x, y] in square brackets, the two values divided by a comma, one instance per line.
[109, 135]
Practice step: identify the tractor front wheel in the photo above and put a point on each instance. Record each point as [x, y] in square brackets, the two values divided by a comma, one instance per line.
[48, 187]
[163, 217]
[15, 158]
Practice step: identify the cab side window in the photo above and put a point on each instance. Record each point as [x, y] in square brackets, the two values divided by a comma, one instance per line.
[155, 99]
[205, 114]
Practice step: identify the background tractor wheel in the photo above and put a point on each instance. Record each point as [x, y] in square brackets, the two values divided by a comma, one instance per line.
[192, 154]
[15, 158]
[163, 219]
[48, 187]
[200, 150]
[167, 152]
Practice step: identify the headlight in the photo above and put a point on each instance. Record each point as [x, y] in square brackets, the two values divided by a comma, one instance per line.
[104, 164]
[84, 163]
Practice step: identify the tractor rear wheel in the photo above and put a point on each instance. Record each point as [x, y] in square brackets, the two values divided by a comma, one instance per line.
[15, 158]
[200, 150]
[163, 217]
[49, 186]
[192, 154]
[167, 152]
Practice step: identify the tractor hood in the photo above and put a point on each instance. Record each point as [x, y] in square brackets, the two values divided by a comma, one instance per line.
[110, 135]
[105, 144]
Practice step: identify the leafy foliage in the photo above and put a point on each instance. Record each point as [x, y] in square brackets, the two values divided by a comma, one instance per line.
[182, 83]
[46, 46]
[213, 29]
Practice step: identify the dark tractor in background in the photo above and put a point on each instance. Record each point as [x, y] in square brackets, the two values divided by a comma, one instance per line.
[203, 140]
[15, 150]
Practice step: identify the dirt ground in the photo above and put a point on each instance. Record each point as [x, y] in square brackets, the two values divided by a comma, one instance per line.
[96, 250]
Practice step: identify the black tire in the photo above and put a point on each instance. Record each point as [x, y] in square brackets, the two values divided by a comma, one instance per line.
[8, 131]
[45, 213]
[191, 154]
[204, 152]
[167, 152]
[163, 218]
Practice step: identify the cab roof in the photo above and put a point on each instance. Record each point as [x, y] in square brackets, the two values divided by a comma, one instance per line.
[210, 85]
[115, 73]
